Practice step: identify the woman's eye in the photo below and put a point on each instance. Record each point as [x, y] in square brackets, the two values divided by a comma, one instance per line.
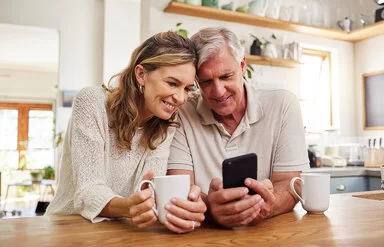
[190, 89]
[172, 84]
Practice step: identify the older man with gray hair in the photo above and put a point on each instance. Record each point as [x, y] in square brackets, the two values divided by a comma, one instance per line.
[229, 118]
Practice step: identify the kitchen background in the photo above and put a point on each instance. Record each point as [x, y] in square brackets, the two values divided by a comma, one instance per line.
[48, 47]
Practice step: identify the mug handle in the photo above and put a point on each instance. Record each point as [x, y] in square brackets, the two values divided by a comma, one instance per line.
[152, 187]
[292, 185]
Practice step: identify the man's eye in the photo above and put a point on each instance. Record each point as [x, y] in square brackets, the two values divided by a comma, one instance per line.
[205, 82]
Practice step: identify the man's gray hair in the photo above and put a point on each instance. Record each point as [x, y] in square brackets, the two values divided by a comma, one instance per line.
[208, 40]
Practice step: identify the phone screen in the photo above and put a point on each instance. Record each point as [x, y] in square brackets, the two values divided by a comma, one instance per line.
[237, 169]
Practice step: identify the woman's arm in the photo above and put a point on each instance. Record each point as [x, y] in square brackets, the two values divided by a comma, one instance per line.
[138, 207]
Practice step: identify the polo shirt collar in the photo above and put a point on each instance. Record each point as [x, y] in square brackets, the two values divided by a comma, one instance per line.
[254, 115]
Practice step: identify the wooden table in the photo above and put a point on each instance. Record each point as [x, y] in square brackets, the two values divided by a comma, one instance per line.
[350, 221]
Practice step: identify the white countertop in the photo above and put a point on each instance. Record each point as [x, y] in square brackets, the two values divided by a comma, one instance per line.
[347, 171]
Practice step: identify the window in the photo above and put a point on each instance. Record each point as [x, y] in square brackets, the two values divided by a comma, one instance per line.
[316, 90]
[26, 135]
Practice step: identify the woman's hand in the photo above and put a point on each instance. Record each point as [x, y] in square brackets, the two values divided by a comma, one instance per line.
[185, 215]
[141, 204]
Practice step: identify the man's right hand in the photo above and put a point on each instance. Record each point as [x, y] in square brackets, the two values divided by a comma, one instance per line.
[232, 207]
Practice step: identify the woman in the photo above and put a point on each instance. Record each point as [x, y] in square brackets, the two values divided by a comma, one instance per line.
[117, 137]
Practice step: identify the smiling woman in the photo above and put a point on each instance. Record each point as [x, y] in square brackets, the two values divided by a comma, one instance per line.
[118, 136]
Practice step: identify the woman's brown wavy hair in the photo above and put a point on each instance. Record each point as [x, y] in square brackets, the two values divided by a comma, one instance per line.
[124, 101]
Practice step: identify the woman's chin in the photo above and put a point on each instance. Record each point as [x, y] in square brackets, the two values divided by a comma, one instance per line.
[165, 116]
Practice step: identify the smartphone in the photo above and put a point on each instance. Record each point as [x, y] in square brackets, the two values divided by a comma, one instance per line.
[237, 169]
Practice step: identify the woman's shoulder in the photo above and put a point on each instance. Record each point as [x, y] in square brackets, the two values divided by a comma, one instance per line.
[91, 96]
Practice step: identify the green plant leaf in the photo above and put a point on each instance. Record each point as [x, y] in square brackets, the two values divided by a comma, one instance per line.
[250, 69]
[182, 32]
[178, 24]
[249, 73]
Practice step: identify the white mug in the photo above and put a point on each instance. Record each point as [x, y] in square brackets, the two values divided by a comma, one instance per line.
[315, 189]
[164, 189]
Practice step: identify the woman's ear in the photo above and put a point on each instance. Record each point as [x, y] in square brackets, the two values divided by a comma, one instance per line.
[140, 74]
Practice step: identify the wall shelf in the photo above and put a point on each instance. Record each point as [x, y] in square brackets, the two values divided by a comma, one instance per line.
[275, 62]
[232, 16]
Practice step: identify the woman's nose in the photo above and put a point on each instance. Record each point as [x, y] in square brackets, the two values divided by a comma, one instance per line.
[180, 96]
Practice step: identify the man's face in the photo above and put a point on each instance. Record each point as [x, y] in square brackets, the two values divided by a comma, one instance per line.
[221, 82]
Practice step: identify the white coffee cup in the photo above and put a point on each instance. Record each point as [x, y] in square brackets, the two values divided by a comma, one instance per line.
[315, 189]
[165, 188]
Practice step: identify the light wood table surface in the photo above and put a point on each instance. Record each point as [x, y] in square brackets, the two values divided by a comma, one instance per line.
[350, 221]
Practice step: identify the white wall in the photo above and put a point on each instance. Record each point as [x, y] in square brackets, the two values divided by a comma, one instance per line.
[369, 58]
[80, 25]
[24, 84]
[121, 34]
[342, 56]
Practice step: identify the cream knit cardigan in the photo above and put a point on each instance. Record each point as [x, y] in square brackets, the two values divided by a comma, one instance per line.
[92, 169]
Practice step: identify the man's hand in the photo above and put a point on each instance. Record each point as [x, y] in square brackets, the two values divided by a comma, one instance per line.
[232, 207]
[265, 190]
[276, 194]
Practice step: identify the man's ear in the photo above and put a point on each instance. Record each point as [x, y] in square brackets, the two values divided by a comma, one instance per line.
[243, 65]
[140, 74]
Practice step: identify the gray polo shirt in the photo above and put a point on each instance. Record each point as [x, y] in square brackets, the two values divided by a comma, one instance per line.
[271, 127]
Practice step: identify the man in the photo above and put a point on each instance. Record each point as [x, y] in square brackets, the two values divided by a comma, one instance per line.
[231, 118]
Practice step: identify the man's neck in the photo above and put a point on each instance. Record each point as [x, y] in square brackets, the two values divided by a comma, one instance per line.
[231, 121]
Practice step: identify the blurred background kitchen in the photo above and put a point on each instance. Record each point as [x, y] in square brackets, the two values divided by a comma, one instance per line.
[328, 53]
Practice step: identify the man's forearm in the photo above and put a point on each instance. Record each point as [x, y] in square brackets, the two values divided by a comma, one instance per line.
[285, 201]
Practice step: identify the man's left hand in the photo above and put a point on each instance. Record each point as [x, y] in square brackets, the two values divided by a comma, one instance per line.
[265, 190]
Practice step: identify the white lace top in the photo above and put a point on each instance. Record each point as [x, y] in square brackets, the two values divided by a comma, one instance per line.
[92, 169]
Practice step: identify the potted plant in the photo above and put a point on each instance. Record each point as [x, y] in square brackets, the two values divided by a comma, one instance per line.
[49, 173]
[35, 175]
[256, 46]
[264, 47]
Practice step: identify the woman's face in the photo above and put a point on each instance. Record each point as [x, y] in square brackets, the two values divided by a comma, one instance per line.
[165, 89]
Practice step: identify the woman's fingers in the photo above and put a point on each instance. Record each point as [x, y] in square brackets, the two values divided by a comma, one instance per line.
[145, 219]
[194, 193]
[187, 210]
[140, 202]
[179, 225]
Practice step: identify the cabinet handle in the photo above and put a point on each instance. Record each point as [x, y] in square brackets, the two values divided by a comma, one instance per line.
[340, 187]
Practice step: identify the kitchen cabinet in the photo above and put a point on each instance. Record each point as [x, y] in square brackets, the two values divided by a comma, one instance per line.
[374, 183]
[351, 179]
[233, 16]
[354, 184]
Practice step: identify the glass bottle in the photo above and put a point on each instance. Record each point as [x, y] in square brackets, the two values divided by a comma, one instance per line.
[382, 177]
[381, 152]
[367, 154]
